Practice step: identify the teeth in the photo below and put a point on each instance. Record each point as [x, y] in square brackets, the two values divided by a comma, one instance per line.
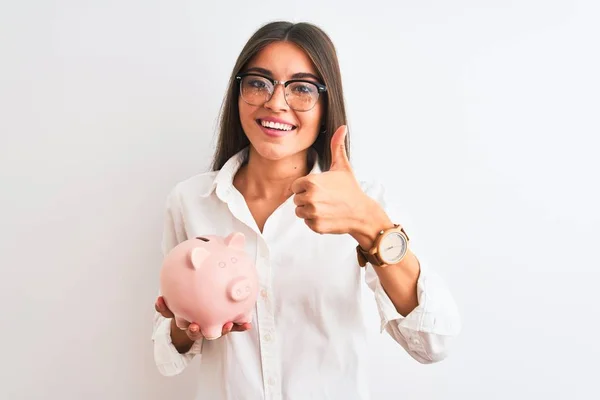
[276, 125]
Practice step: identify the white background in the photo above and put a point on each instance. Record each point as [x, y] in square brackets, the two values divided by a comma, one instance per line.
[480, 116]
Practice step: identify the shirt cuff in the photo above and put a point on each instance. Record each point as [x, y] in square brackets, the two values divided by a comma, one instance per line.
[168, 360]
[426, 330]
[388, 312]
[435, 313]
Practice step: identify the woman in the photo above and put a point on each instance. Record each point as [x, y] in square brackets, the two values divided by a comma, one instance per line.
[282, 176]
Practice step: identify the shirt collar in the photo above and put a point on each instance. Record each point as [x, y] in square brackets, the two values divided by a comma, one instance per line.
[223, 180]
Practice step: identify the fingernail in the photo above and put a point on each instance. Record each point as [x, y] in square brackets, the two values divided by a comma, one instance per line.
[194, 328]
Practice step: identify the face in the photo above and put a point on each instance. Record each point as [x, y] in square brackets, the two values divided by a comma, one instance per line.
[275, 130]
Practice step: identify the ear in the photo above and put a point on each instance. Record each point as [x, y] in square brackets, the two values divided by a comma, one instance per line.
[198, 256]
[236, 240]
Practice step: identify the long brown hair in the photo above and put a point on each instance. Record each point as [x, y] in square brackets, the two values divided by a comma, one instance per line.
[320, 49]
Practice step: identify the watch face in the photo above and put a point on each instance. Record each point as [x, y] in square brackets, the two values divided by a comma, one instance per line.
[392, 248]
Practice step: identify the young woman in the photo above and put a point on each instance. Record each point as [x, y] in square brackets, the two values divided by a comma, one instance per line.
[282, 176]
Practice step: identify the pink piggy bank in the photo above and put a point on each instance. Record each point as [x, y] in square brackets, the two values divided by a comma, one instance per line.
[211, 281]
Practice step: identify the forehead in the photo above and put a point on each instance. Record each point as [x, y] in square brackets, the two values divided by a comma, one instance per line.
[283, 59]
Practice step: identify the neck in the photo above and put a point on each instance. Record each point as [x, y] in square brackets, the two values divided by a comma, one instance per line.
[260, 178]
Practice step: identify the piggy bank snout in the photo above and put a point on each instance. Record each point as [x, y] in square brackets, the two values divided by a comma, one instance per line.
[240, 289]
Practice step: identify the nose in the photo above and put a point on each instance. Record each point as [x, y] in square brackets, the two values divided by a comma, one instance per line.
[277, 101]
[240, 289]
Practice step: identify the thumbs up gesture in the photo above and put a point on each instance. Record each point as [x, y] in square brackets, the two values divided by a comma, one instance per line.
[333, 201]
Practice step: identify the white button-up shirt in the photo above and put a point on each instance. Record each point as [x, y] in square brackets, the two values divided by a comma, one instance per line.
[308, 339]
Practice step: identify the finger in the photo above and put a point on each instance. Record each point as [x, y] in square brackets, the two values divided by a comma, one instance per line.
[242, 327]
[301, 212]
[194, 336]
[301, 199]
[298, 185]
[304, 184]
[339, 157]
[194, 332]
[310, 198]
[308, 211]
[227, 328]
[161, 307]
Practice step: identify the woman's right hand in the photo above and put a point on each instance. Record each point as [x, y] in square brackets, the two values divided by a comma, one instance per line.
[192, 330]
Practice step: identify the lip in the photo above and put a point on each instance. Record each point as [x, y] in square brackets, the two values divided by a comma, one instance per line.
[275, 132]
[273, 119]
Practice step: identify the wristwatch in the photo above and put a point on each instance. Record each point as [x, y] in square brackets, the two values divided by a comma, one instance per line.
[390, 247]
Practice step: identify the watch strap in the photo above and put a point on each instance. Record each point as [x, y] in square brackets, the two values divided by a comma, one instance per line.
[364, 257]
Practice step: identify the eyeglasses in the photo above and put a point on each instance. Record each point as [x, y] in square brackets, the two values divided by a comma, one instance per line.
[300, 94]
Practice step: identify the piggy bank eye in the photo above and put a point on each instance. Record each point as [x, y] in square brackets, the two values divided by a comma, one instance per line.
[222, 264]
[233, 260]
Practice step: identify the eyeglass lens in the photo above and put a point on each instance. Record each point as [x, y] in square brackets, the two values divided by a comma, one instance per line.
[300, 96]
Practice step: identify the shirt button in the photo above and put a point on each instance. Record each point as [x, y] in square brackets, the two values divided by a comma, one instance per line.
[415, 341]
[268, 337]
[263, 294]
[271, 381]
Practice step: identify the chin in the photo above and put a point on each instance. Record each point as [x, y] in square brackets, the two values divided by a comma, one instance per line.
[273, 148]
[274, 151]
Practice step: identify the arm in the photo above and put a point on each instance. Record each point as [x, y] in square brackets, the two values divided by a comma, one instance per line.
[173, 350]
[416, 307]
[399, 280]
[180, 339]
[169, 359]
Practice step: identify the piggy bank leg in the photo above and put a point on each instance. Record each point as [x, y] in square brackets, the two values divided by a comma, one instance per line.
[212, 332]
[181, 323]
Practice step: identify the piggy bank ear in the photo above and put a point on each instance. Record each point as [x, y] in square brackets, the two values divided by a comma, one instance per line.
[198, 256]
[237, 240]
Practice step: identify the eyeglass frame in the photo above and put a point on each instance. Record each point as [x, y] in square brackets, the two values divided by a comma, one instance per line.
[320, 87]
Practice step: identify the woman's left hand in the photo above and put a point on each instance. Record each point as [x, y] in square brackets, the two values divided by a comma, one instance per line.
[333, 201]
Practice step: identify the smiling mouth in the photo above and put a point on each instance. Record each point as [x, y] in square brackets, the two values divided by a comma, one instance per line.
[276, 125]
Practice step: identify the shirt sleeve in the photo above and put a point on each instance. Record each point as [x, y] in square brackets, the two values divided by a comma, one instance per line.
[426, 333]
[168, 360]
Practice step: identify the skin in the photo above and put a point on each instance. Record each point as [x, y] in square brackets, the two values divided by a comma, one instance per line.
[184, 337]
[275, 163]
[277, 169]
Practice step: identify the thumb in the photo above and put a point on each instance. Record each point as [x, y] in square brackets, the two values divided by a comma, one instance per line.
[339, 158]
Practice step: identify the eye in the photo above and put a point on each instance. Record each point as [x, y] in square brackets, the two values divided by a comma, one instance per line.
[259, 84]
[233, 260]
[303, 88]
[222, 264]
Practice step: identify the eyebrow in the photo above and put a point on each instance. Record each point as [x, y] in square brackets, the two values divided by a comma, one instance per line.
[299, 75]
